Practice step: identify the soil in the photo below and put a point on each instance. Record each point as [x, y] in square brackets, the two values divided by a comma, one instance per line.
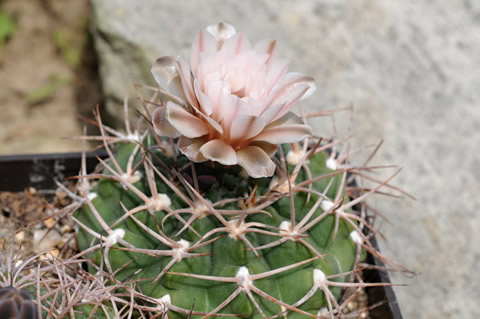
[48, 75]
[34, 223]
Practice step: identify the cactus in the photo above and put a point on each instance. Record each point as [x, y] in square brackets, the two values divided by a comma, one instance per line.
[220, 203]
[224, 221]
[197, 244]
[205, 239]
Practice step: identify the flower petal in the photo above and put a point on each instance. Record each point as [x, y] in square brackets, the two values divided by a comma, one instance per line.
[207, 108]
[269, 47]
[203, 42]
[221, 31]
[245, 127]
[294, 87]
[236, 44]
[287, 119]
[268, 148]
[214, 92]
[165, 72]
[161, 125]
[272, 112]
[185, 122]
[214, 124]
[187, 81]
[191, 148]
[285, 134]
[293, 79]
[255, 161]
[231, 105]
[276, 72]
[288, 129]
[205, 103]
[290, 99]
[219, 151]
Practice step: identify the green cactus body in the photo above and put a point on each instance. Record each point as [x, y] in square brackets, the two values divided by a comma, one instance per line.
[222, 268]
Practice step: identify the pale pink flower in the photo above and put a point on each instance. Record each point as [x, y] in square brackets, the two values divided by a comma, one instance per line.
[232, 102]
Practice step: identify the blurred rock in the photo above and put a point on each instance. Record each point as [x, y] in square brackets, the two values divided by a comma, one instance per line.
[411, 71]
[45, 240]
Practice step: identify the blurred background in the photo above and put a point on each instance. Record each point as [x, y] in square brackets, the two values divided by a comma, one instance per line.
[410, 69]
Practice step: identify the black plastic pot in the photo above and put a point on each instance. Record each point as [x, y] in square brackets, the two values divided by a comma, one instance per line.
[391, 308]
[40, 171]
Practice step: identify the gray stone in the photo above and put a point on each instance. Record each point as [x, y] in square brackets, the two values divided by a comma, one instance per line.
[411, 71]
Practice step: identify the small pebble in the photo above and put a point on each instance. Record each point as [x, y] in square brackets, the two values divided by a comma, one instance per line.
[352, 305]
[55, 252]
[46, 240]
[20, 237]
[66, 229]
[62, 197]
[60, 193]
[49, 222]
